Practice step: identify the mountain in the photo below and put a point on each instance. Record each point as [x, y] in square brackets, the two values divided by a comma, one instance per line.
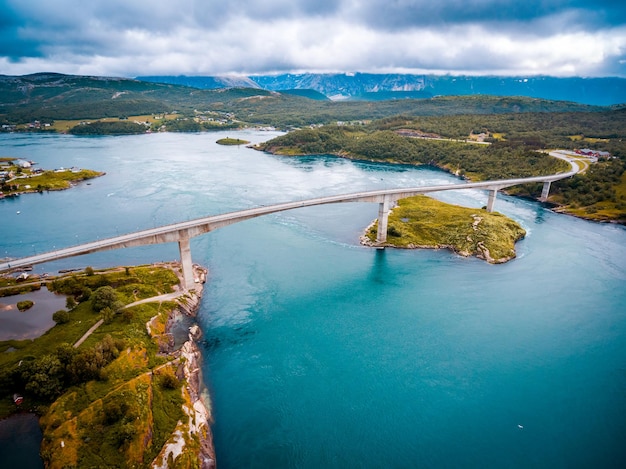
[377, 87]
[49, 96]
[202, 82]
[594, 91]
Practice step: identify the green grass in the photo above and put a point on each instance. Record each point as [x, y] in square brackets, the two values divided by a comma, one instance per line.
[50, 180]
[422, 222]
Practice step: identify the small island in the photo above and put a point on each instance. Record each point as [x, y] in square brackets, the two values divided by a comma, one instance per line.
[423, 222]
[232, 141]
[18, 176]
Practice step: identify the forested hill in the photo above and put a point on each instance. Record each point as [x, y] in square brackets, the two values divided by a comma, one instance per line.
[49, 96]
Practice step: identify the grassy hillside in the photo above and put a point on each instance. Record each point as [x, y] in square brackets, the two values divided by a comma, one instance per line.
[48, 96]
[115, 400]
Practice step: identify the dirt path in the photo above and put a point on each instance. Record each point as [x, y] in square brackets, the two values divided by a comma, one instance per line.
[160, 298]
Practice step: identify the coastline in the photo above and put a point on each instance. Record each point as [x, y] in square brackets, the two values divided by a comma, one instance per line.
[552, 206]
[189, 441]
[197, 406]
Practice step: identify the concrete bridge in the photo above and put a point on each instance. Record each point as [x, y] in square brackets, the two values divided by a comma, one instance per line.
[182, 232]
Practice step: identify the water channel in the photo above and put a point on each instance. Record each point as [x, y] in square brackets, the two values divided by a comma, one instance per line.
[322, 353]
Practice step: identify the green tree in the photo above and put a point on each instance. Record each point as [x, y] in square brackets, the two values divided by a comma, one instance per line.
[103, 297]
[44, 377]
[107, 315]
[61, 317]
[70, 303]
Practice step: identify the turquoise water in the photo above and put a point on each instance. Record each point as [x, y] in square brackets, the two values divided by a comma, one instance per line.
[323, 353]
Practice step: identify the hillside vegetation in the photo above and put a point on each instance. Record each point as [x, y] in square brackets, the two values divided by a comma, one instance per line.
[513, 149]
[116, 399]
[47, 97]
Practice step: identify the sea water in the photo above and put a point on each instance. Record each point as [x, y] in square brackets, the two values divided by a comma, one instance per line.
[319, 352]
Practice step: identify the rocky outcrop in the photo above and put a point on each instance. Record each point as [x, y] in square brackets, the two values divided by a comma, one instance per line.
[194, 435]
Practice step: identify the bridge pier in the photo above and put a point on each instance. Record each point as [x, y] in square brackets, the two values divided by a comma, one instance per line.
[492, 199]
[545, 191]
[383, 219]
[185, 260]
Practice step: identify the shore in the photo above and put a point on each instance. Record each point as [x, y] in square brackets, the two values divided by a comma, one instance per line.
[197, 404]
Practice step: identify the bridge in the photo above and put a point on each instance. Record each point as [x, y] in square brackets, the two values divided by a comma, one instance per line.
[183, 232]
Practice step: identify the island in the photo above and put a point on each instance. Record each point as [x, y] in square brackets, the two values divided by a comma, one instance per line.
[116, 382]
[18, 176]
[423, 222]
[232, 141]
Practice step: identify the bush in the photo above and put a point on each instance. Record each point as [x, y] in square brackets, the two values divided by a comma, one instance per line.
[103, 297]
[169, 380]
[128, 315]
[61, 317]
[126, 433]
[70, 303]
[24, 305]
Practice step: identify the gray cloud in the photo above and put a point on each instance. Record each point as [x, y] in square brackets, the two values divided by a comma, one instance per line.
[119, 37]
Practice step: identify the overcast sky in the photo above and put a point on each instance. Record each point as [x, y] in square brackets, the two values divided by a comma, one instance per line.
[246, 37]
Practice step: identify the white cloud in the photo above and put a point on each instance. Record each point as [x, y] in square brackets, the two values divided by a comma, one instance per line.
[188, 37]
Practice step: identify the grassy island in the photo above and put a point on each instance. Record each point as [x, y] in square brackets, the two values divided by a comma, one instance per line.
[16, 179]
[423, 222]
[232, 141]
[110, 385]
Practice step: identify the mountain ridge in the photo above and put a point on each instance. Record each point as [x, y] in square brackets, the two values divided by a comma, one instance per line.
[604, 91]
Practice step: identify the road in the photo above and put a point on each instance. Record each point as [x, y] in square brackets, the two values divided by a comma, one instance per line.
[188, 229]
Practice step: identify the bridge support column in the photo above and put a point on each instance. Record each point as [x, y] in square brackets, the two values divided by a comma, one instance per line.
[545, 191]
[383, 218]
[492, 199]
[185, 260]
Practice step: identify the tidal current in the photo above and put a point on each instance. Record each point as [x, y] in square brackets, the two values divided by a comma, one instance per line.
[319, 352]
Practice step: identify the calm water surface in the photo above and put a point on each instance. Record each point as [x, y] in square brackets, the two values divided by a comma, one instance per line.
[322, 353]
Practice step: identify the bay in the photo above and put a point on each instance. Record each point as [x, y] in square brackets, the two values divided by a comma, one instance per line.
[320, 352]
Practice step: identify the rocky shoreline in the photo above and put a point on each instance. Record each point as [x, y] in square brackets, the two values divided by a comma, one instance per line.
[194, 435]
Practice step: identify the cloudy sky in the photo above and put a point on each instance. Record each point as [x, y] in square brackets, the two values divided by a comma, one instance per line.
[245, 37]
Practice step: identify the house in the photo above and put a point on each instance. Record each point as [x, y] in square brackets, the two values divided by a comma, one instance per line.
[23, 164]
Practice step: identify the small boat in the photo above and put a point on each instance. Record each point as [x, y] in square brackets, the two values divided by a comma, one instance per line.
[18, 212]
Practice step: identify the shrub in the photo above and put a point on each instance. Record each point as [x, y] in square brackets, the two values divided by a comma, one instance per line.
[103, 297]
[24, 305]
[70, 303]
[61, 317]
[169, 379]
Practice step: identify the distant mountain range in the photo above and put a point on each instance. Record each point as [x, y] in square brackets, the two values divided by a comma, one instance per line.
[376, 87]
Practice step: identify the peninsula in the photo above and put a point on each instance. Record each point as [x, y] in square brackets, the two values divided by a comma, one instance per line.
[19, 176]
[115, 383]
